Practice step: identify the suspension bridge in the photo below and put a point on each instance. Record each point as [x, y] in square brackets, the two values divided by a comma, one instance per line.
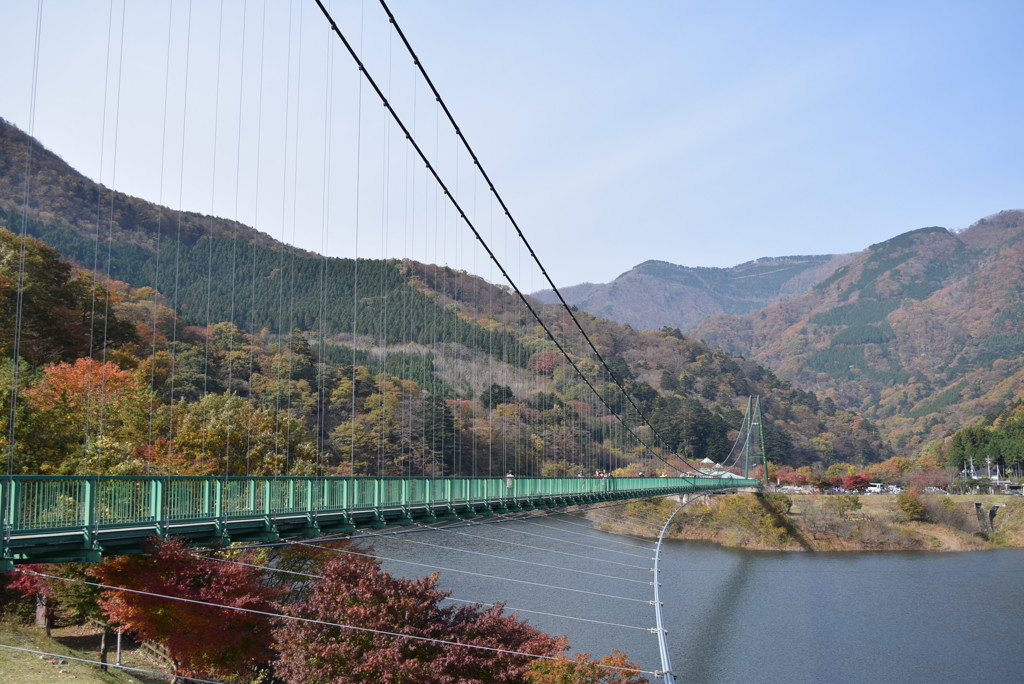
[81, 519]
[405, 446]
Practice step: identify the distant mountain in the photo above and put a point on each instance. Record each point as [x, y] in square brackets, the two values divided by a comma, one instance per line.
[923, 332]
[658, 294]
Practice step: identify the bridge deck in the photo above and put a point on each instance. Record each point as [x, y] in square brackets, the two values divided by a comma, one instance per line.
[66, 519]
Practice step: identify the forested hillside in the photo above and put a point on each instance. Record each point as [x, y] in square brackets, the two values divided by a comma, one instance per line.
[234, 354]
[922, 333]
[996, 441]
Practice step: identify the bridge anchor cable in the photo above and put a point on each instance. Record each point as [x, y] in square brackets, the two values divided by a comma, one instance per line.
[666, 660]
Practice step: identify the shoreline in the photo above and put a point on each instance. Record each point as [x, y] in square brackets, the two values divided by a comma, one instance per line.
[840, 524]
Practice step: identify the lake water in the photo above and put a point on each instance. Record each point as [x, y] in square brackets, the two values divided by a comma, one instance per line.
[736, 616]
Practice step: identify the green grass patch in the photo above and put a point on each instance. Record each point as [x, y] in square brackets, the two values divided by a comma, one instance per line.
[31, 668]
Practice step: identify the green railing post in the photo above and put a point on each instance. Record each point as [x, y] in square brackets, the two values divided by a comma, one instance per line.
[206, 497]
[8, 495]
[13, 494]
[218, 498]
[156, 498]
[91, 485]
[6, 564]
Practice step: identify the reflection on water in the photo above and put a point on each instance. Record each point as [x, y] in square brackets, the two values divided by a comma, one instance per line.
[736, 616]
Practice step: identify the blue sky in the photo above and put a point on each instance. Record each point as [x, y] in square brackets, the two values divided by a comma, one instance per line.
[705, 134]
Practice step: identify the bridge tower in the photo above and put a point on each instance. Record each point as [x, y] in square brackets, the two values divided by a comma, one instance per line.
[753, 431]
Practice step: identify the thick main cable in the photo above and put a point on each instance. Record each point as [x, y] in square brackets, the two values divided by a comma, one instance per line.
[526, 243]
[476, 233]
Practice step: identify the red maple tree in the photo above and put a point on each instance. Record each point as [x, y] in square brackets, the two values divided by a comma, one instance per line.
[200, 639]
[354, 591]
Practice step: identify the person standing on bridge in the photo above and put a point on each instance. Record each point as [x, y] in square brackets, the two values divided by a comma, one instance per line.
[509, 479]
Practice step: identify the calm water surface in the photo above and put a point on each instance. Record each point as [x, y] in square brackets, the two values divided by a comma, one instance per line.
[739, 616]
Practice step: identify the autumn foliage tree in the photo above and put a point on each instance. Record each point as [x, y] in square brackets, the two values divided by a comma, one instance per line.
[56, 305]
[856, 481]
[37, 588]
[61, 592]
[396, 630]
[201, 639]
[95, 415]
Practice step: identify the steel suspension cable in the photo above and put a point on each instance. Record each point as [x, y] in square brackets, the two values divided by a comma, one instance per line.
[355, 242]
[545, 536]
[512, 609]
[19, 288]
[321, 367]
[207, 419]
[99, 220]
[479, 239]
[230, 411]
[540, 548]
[571, 522]
[516, 560]
[515, 224]
[630, 544]
[477, 574]
[159, 244]
[296, 618]
[666, 659]
[256, 218]
[110, 243]
[177, 241]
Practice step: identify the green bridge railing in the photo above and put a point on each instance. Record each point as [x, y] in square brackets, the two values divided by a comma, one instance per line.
[63, 519]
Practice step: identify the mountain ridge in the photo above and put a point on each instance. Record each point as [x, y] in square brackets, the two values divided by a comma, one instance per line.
[921, 332]
[656, 294]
